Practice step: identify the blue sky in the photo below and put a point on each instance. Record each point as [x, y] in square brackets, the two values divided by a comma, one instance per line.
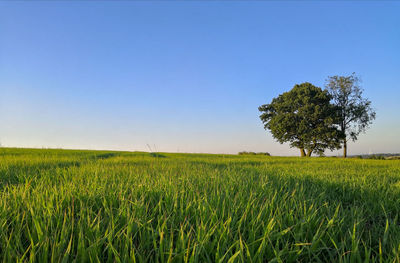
[186, 76]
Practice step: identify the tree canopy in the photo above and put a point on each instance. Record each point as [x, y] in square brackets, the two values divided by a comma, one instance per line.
[354, 112]
[305, 118]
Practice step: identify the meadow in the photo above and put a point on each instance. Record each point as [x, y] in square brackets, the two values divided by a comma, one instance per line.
[99, 206]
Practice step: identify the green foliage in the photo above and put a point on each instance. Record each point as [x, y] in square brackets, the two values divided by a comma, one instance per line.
[376, 157]
[354, 112]
[303, 117]
[254, 153]
[157, 155]
[89, 206]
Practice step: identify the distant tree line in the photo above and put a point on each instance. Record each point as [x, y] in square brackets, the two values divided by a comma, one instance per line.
[378, 156]
[254, 153]
[314, 119]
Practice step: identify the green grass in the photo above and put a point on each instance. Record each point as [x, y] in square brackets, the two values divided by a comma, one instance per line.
[92, 206]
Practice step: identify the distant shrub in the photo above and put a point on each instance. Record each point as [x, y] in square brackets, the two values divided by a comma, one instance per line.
[254, 153]
[376, 157]
[393, 158]
[157, 155]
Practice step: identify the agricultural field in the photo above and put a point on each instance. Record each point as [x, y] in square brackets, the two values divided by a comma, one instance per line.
[97, 206]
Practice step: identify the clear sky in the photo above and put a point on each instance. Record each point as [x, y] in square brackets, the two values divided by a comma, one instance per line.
[186, 76]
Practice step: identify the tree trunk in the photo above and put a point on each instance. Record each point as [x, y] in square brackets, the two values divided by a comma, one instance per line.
[302, 152]
[309, 152]
[345, 148]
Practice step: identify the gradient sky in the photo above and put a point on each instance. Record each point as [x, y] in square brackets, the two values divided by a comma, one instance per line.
[186, 76]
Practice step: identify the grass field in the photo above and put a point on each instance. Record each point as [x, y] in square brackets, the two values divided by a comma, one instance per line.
[64, 205]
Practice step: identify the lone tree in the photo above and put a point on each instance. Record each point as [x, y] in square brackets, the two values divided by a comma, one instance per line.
[305, 118]
[354, 112]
